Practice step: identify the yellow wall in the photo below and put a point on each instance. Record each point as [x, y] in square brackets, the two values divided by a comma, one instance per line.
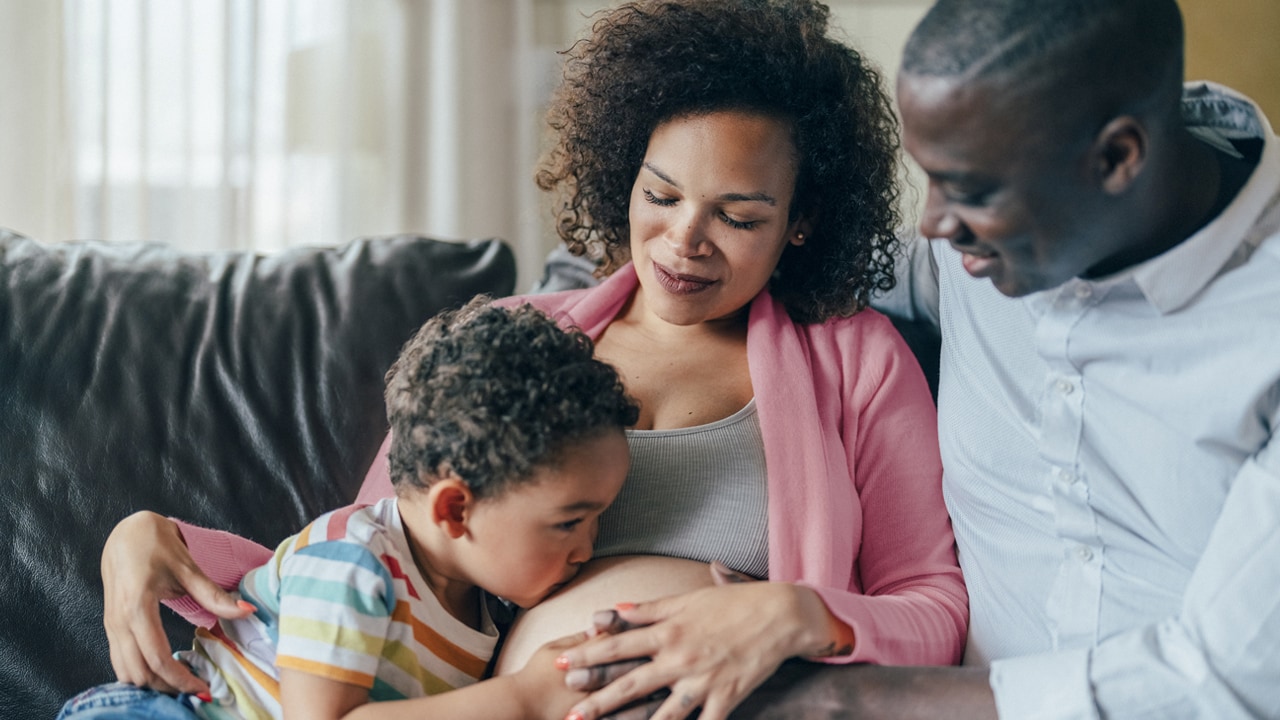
[1236, 43]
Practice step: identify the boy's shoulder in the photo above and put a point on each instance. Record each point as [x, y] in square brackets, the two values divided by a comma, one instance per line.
[375, 528]
[361, 546]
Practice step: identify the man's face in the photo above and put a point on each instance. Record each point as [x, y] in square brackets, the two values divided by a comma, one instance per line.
[1015, 200]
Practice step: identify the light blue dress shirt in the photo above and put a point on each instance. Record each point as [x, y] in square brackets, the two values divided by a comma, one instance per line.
[1105, 446]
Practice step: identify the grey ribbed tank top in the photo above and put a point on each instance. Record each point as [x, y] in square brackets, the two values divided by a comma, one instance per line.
[697, 493]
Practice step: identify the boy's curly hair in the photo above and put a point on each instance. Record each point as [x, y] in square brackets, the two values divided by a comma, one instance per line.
[651, 61]
[492, 394]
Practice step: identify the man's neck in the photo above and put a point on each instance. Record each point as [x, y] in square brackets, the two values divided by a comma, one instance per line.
[1206, 185]
[1192, 190]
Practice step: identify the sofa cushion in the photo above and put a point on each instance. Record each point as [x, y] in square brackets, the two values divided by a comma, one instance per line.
[238, 391]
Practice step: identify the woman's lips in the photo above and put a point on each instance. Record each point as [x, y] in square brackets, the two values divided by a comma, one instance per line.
[679, 283]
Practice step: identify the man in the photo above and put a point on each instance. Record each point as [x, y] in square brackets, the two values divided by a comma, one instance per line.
[1110, 381]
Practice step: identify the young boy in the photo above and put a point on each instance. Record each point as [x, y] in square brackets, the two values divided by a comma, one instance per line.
[507, 445]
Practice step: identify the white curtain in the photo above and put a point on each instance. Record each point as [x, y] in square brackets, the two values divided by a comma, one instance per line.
[215, 124]
[260, 124]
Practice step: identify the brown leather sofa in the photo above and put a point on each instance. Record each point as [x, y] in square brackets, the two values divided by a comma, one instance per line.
[237, 391]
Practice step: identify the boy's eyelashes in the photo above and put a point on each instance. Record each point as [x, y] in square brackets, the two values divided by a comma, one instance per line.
[569, 525]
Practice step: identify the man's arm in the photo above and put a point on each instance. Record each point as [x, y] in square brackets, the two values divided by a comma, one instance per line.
[805, 691]
[1219, 657]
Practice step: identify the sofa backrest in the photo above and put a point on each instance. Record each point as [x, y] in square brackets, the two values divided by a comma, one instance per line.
[237, 391]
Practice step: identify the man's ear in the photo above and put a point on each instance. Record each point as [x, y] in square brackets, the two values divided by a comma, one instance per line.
[450, 501]
[1119, 153]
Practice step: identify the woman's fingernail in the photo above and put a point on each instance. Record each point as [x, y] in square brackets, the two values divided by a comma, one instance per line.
[246, 606]
[577, 679]
[575, 715]
[204, 697]
[625, 606]
[562, 662]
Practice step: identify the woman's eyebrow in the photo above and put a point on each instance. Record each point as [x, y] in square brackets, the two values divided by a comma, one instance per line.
[661, 175]
[749, 197]
[727, 197]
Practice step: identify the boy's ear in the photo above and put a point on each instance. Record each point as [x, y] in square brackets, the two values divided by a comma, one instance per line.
[450, 501]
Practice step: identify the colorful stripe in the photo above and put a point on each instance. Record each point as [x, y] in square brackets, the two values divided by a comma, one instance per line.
[338, 520]
[437, 644]
[338, 601]
[261, 679]
[398, 573]
[332, 672]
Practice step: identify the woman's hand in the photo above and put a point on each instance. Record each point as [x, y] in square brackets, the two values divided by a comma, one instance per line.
[143, 562]
[711, 647]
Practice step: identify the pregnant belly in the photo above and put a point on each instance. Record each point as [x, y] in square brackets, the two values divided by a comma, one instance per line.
[600, 585]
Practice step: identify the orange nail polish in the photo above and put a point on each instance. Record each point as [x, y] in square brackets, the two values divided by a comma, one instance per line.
[562, 662]
[246, 606]
[625, 606]
[204, 697]
[575, 715]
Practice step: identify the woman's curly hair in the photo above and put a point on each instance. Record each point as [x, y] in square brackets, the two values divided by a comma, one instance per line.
[651, 61]
[492, 394]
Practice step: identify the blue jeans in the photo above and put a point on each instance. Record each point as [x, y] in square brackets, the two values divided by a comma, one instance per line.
[121, 701]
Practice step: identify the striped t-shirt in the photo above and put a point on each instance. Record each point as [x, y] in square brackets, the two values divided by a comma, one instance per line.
[344, 600]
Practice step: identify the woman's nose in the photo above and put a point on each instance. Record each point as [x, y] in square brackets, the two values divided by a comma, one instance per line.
[686, 239]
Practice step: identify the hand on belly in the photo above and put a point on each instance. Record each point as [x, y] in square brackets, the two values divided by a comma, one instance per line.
[600, 585]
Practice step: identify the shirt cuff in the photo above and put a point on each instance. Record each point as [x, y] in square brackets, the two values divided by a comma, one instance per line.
[1050, 686]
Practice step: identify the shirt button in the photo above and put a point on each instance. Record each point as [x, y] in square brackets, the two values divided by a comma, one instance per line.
[1084, 553]
[1083, 291]
[1066, 477]
[1065, 387]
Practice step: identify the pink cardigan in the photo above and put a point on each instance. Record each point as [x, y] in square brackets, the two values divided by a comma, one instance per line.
[854, 488]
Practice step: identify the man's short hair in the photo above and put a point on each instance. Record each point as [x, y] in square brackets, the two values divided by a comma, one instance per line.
[1124, 51]
[986, 36]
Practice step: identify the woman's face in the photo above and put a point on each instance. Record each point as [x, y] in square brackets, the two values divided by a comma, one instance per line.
[709, 213]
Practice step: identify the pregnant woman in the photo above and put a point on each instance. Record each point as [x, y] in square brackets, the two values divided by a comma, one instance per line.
[732, 168]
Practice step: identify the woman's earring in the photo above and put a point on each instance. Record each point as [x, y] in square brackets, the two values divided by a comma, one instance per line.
[799, 237]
